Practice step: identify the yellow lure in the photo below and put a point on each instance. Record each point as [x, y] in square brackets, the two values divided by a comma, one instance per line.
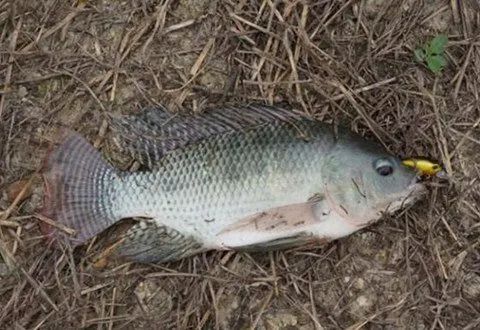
[424, 166]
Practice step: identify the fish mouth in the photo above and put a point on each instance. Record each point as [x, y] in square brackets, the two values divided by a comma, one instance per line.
[414, 192]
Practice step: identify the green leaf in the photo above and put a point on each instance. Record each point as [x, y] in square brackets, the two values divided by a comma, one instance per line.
[419, 54]
[436, 63]
[437, 45]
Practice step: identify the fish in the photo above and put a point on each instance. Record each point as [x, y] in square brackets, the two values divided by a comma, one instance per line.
[244, 178]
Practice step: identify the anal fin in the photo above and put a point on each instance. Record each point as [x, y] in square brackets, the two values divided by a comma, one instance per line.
[150, 241]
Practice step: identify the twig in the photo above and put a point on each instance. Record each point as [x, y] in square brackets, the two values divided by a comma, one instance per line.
[178, 26]
[95, 288]
[11, 224]
[112, 308]
[377, 130]
[262, 310]
[92, 93]
[32, 80]
[55, 224]
[8, 75]
[39, 288]
[462, 73]
[64, 22]
[255, 26]
[361, 324]
[293, 66]
[201, 57]
[4, 252]
[365, 88]
[17, 199]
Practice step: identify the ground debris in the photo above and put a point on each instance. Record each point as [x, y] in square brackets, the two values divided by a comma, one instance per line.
[68, 64]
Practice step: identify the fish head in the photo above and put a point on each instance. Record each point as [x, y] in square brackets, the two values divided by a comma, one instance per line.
[363, 182]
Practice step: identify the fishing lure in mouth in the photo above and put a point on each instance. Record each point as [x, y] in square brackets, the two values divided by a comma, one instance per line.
[423, 166]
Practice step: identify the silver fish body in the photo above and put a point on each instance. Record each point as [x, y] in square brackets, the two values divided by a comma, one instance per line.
[274, 184]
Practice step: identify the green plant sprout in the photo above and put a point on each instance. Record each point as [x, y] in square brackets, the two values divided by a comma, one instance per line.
[433, 54]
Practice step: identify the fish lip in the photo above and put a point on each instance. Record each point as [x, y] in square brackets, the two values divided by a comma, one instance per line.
[417, 186]
[415, 191]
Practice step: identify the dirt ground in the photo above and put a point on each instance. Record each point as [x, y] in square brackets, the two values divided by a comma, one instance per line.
[68, 63]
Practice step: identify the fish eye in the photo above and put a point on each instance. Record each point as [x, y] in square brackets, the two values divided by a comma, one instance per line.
[383, 167]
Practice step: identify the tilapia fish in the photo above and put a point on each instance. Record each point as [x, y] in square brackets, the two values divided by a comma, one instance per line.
[238, 178]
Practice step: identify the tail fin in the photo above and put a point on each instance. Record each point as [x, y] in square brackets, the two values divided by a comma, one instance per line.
[77, 189]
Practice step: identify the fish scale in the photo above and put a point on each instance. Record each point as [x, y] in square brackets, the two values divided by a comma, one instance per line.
[223, 178]
[253, 177]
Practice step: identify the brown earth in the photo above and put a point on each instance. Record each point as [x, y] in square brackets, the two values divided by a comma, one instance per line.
[68, 64]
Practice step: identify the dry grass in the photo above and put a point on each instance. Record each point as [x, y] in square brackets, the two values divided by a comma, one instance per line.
[350, 61]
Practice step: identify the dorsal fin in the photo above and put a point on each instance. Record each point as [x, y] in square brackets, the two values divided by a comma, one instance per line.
[151, 134]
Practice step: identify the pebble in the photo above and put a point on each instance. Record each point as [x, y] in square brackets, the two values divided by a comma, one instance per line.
[22, 91]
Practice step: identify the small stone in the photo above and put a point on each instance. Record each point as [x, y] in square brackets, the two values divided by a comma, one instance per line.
[362, 301]
[362, 304]
[281, 320]
[359, 284]
[382, 256]
[153, 299]
[22, 91]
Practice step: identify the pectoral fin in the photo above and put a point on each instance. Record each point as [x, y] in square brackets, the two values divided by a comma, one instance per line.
[281, 243]
[276, 228]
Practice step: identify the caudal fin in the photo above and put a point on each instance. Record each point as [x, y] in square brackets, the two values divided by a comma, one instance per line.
[78, 192]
